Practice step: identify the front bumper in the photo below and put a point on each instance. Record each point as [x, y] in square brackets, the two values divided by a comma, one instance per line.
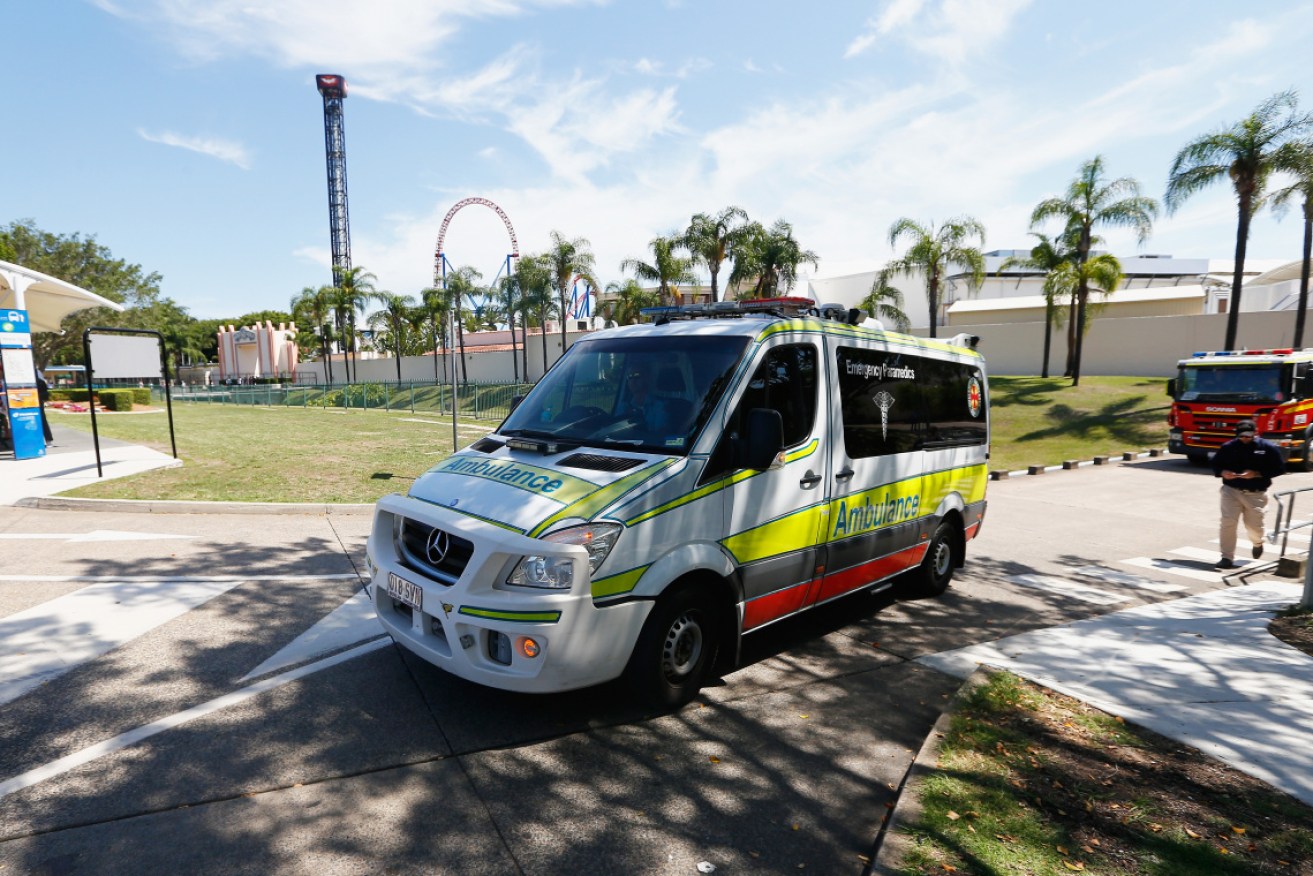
[454, 629]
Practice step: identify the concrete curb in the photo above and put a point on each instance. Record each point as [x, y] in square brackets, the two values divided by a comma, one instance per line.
[907, 809]
[999, 474]
[152, 506]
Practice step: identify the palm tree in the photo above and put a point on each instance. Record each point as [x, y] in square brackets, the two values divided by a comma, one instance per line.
[354, 288]
[395, 317]
[567, 260]
[933, 251]
[1092, 201]
[435, 305]
[710, 240]
[1297, 160]
[628, 300]
[1047, 256]
[885, 303]
[316, 305]
[1102, 273]
[533, 278]
[771, 256]
[462, 284]
[666, 269]
[1244, 153]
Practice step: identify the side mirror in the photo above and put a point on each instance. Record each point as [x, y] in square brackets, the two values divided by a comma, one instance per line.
[764, 439]
[1171, 387]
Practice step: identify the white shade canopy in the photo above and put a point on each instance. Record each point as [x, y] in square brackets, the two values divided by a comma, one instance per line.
[46, 299]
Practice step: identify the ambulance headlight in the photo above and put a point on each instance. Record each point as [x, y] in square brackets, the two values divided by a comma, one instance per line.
[557, 573]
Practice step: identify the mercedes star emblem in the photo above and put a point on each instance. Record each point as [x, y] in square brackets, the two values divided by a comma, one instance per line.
[438, 545]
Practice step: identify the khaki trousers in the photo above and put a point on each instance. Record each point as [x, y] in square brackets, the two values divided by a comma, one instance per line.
[1240, 505]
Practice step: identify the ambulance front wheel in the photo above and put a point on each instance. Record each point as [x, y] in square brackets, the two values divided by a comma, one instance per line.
[936, 570]
[675, 650]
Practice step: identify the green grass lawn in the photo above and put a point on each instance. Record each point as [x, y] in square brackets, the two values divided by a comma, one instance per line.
[293, 454]
[1038, 421]
[244, 453]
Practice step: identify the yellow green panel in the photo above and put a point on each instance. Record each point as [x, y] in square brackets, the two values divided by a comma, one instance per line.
[547, 482]
[891, 504]
[802, 452]
[784, 535]
[522, 617]
[613, 585]
[592, 504]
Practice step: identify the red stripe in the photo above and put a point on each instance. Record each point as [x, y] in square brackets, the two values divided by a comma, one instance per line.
[870, 572]
[765, 609]
[791, 600]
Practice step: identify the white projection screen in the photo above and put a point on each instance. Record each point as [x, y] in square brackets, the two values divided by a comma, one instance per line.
[125, 356]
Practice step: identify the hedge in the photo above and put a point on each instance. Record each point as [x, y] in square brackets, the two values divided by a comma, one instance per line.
[116, 399]
[135, 395]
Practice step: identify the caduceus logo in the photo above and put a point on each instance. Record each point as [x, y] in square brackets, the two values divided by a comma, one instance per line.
[885, 401]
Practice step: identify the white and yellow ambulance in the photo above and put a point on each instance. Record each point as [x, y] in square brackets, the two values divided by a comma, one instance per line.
[669, 487]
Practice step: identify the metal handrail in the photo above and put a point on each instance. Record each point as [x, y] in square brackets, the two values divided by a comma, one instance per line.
[1284, 526]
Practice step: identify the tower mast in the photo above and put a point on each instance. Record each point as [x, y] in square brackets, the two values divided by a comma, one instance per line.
[333, 89]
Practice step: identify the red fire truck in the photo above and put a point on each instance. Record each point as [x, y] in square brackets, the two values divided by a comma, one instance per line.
[1213, 391]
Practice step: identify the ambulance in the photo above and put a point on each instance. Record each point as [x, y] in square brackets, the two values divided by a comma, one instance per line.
[670, 487]
[1212, 391]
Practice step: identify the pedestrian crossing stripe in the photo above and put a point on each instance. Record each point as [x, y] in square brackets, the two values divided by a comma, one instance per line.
[1066, 587]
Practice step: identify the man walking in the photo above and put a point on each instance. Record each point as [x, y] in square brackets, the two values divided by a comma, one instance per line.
[1246, 464]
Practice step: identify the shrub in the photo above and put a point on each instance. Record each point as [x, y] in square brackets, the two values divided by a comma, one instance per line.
[141, 395]
[116, 399]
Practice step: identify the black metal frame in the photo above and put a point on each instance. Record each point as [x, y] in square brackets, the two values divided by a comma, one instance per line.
[91, 384]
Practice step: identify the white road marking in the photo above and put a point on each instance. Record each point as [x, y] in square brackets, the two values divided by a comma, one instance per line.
[1112, 576]
[351, 622]
[1162, 565]
[1207, 556]
[47, 640]
[1062, 586]
[131, 737]
[95, 535]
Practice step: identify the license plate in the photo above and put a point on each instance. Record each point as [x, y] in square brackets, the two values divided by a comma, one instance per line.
[403, 591]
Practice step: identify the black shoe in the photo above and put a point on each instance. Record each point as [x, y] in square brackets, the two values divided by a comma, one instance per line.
[1224, 563]
[1257, 551]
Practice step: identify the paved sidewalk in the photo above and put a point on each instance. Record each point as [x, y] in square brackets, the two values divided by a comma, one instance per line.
[71, 462]
[1203, 670]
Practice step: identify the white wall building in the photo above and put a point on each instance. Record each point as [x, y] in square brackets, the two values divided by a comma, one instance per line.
[1165, 285]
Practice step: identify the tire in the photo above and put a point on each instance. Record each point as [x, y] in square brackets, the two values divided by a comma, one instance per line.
[675, 650]
[936, 569]
[1307, 463]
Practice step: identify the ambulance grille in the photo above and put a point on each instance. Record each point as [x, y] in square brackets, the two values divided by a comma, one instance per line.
[597, 462]
[444, 567]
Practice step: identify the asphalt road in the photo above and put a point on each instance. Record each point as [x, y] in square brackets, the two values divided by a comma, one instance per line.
[206, 693]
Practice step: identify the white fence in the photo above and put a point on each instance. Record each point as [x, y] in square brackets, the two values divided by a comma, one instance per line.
[1146, 346]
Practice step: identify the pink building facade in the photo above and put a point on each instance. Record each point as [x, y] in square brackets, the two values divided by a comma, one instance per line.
[259, 351]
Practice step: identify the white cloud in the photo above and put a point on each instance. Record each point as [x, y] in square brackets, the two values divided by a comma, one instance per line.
[950, 32]
[215, 147]
[898, 14]
[345, 34]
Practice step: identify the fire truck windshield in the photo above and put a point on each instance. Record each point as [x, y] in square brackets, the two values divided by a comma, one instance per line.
[1236, 383]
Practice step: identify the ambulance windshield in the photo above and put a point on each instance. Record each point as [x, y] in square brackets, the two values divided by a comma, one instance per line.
[651, 394]
[1232, 383]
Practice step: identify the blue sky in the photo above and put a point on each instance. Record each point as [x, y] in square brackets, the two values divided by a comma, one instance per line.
[187, 135]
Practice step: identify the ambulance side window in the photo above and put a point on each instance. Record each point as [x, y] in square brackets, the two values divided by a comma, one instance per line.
[882, 410]
[785, 381]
